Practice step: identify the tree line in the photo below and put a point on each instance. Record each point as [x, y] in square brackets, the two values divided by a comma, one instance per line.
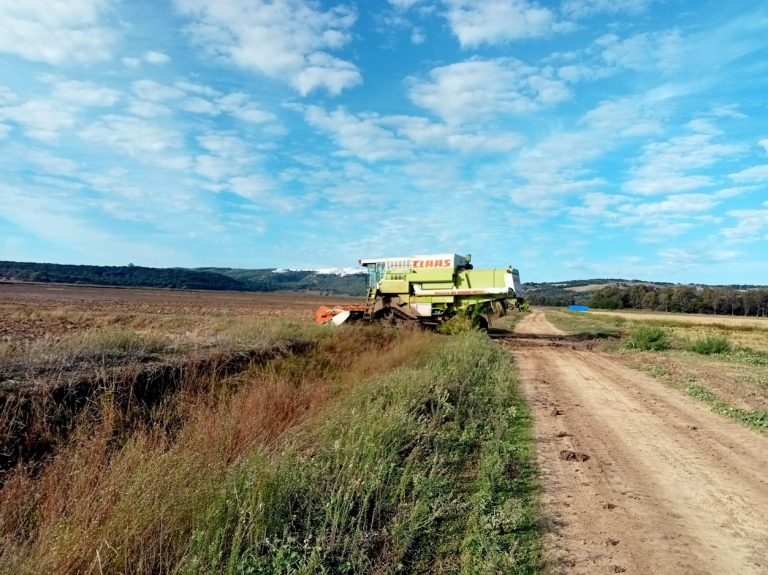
[683, 299]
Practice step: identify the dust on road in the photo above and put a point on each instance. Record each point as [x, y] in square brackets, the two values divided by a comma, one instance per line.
[636, 477]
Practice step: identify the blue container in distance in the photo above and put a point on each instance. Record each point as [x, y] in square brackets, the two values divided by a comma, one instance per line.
[578, 308]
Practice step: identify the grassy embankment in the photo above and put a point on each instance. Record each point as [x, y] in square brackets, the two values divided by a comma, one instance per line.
[362, 450]
[708, 361]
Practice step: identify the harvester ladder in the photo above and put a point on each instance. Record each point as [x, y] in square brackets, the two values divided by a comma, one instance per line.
[370, 304]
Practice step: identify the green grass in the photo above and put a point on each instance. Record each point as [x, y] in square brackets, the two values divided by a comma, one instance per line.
[647, 337]
[757, 419]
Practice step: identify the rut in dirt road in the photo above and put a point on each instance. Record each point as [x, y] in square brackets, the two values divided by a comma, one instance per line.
[636, 477]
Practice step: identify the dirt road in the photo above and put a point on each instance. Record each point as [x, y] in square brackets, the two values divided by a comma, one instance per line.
[668, 487]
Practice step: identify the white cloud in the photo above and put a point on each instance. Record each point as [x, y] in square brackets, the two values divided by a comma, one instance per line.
[223, 144]
[260, 190]
[476, 22]
[649, 51]
[404, 4]
[131, 62]
[286, 40]
[52, 164]
[753, 174]
[585, 8]
[652, 183]
[764, 144]
[147, 109]
[55, 32]
[198, 105]
[154, 91]
[41, 118]
[252, 187]
[322, 69]
[137, 138]
[482, 88]
[418, 36]
[751, 225]
[84, 93]
[226, 155]
[199, 89]
[679, 258]
[372, 137]
[680, 204]
[4, 130]
[664, 167]
[156, 58]
[240, 106]
[363, 136]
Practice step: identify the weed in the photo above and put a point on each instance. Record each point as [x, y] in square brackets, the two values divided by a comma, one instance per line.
[658, 371]
[749, 356]
[709, 345]
[647, 337]
[460, 323]
[754, 418]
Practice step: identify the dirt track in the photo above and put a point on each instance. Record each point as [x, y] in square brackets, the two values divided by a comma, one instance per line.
[669, 486]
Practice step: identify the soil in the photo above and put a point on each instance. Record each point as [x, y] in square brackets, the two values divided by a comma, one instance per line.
[668, 486]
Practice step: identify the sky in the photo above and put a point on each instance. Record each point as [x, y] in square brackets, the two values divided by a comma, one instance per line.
[573, 139]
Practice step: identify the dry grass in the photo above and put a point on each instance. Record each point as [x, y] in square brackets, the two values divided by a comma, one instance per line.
[51, 521]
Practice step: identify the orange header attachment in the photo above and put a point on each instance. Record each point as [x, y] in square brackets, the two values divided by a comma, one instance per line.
[325, 313]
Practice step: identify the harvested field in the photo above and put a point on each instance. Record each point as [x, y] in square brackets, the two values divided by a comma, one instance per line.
[33, 311]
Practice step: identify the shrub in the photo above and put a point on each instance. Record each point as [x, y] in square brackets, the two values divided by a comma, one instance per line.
[710, 345]
[648, 337]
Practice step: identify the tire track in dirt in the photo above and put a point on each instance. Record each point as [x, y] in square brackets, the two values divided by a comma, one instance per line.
[669, 486]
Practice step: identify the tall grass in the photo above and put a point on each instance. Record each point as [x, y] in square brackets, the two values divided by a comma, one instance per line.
[371, 451]
[648, 337]
[423, 470]
[709, 345]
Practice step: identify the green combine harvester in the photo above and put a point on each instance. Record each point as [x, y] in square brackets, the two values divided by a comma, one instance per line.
[430, 290]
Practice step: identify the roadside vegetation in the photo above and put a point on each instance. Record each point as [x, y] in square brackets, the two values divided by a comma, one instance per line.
[708, 361]
[253, 447]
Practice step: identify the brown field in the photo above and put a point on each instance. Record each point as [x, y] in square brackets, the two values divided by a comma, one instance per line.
[34, 311]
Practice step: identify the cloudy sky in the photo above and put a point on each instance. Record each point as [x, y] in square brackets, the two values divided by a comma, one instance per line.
[572, 139]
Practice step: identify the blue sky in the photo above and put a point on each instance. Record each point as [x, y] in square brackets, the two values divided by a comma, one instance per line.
[572, 139]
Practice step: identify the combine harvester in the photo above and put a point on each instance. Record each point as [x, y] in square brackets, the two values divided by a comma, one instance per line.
[430, 290]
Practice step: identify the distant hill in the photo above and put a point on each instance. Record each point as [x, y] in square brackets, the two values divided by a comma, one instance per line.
[271, 279]
[226, 279]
